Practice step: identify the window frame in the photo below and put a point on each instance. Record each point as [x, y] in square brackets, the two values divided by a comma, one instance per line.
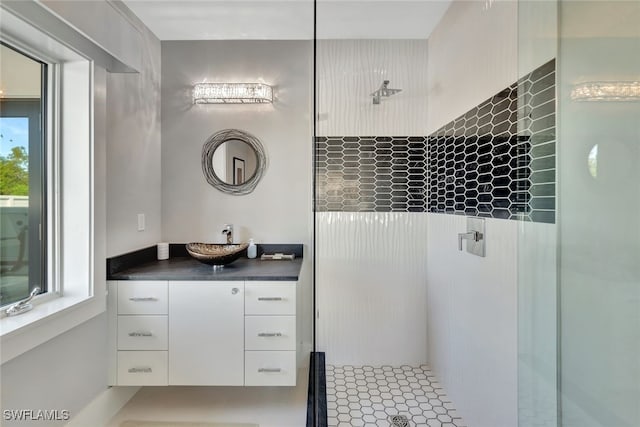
[77, 290]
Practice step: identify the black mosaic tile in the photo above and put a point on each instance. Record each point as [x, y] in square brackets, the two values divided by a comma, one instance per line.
[497, 160]
[371, 174]
[508, 167]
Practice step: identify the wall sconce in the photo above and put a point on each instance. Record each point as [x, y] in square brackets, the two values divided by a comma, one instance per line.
[232, 93]
[606, 91]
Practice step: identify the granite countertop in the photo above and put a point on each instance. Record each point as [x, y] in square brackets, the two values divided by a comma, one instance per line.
[142, 265]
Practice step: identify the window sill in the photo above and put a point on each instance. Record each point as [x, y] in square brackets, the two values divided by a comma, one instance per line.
[19, 334]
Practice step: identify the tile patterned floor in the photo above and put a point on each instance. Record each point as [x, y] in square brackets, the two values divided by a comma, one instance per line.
[370, 396]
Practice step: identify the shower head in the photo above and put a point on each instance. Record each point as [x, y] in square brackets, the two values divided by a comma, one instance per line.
[383, 91]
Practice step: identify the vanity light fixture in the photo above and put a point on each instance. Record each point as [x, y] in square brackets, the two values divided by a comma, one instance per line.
[232, 93]
[606, 91]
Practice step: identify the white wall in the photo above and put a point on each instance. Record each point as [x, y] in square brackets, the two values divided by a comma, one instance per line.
[348, 71]
[69, 371]
[134, 154]
[371, 289]
[65, 373]
[478, 49]
[279, 209]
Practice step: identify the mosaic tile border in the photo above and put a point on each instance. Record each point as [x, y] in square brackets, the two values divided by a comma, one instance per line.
[498, 160]
[490, 163]
[371, 173]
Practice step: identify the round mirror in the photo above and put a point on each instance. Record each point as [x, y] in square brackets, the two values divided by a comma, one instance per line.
[233, 161]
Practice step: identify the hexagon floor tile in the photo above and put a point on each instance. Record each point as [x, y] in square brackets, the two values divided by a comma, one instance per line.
[371, 396]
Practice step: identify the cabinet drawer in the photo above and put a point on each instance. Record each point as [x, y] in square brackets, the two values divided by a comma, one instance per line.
[266, 368]
[270, 333]
[144, 297]
[142, 367]
[142, 332]
[270, 299]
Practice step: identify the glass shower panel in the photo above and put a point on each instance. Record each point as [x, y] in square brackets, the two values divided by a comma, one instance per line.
[537, 234]
[599, 189]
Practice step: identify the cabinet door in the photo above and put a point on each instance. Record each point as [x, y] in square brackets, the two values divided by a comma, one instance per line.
[206, 333]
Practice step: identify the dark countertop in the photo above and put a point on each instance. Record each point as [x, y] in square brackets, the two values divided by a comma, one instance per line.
[183, 268]
[142, 265]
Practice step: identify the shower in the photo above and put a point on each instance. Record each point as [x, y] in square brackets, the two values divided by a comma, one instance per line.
[383, 90]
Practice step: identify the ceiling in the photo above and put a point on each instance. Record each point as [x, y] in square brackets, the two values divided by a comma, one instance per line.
[289, 19]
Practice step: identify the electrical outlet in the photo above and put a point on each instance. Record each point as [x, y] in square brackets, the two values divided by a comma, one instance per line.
[141, 222]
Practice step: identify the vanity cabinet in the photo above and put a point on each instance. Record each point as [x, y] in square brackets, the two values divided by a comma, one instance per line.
[138, 332]
[223, 333]
[206, 326]
[270, 333]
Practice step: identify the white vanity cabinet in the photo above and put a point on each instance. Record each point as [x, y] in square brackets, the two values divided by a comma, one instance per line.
[138, 332]
[206, 327]
[270, 333]
[222, 333]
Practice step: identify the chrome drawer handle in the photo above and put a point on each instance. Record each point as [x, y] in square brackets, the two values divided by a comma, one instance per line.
[143, 299]
[270, 334]
[270, 298]
[140, 334]
[145, 370]
[269, 370]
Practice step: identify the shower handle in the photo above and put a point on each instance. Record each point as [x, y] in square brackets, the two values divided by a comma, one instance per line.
[476, 236]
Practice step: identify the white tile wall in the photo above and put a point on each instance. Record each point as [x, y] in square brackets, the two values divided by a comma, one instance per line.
[478, 49]
[472, 56]
[371, 289]
[348, 71]
[472, 319]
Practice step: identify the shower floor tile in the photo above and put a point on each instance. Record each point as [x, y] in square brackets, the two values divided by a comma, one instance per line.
[371, 396]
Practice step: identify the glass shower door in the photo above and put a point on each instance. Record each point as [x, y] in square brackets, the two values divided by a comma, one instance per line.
[579, 275]
[599, 189]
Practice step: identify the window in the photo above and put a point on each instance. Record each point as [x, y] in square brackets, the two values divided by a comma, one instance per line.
[49, 241]
[22, 175]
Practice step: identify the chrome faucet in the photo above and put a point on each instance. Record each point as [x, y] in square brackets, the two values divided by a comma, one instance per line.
[228, 230]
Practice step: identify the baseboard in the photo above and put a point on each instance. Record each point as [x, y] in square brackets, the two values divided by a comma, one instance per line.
[104, 407]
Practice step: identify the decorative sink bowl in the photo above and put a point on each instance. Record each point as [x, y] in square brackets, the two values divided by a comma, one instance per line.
[216, 254]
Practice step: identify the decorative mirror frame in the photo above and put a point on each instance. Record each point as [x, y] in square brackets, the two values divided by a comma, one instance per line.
[215, 141]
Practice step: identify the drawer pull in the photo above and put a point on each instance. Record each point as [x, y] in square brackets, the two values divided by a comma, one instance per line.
[275, 370]
[140, 334]
[145, 370]
[270, 298]
[270, 334]
[138, 299]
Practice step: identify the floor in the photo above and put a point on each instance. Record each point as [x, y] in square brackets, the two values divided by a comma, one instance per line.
[375, 397]
[265, 406]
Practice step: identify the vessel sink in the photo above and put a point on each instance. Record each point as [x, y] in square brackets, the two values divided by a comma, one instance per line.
[216, 254]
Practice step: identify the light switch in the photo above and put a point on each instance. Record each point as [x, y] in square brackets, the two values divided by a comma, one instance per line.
[141, 222]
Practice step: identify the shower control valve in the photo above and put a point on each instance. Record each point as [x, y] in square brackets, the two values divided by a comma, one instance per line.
[476, 236]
